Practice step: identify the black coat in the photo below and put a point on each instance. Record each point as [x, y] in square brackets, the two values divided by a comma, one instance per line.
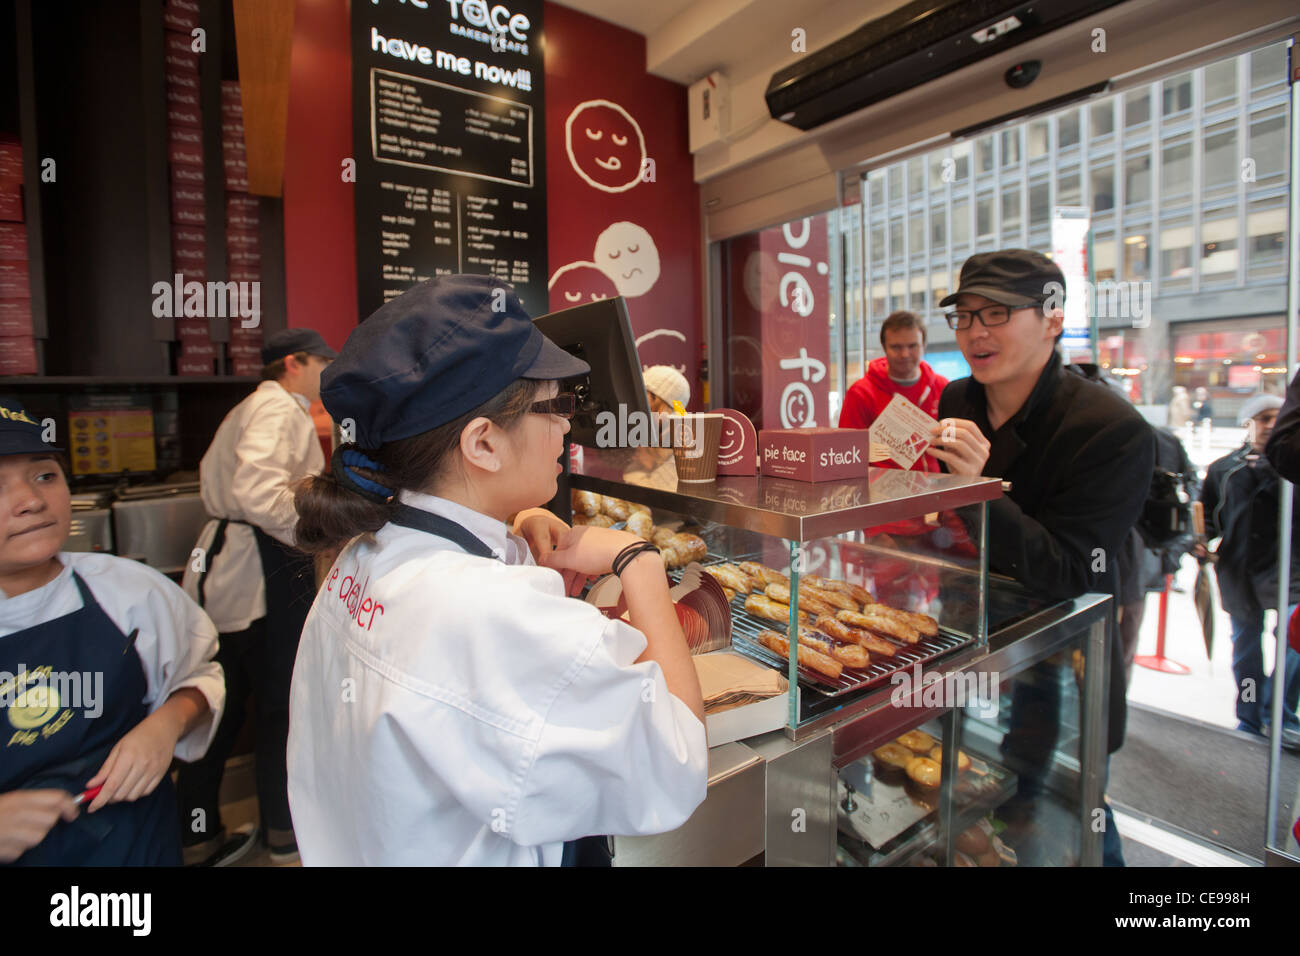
[1079, 459]
[1241, 506]
[1283, 448]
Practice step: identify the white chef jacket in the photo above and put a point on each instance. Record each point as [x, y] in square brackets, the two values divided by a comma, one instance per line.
[176, 641]
[265, 444]
[452, 709]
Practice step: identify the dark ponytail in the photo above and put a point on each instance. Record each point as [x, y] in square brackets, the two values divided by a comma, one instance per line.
[331, 512]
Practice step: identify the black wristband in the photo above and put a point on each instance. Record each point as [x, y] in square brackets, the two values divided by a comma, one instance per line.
[629, 554]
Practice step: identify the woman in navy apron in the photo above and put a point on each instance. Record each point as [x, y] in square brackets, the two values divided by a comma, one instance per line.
[75, 686]
[451, 702]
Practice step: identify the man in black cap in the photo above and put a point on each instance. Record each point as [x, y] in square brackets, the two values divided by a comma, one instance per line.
[255, 587]
[1079, 459]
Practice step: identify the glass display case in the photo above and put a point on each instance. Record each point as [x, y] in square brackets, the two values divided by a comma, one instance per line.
[973, 735]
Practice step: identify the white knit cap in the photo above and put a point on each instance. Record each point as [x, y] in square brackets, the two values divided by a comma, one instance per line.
[1257, 404]
[668, 383]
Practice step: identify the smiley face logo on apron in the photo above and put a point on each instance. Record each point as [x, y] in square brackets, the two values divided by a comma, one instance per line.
[34, 707]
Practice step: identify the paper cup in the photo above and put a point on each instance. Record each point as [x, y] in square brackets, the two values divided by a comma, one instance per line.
[695, 441]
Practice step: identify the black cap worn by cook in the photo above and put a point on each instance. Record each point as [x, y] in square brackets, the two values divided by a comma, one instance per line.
[1012, 277]
[435, 352]
[21, 432]
[287, 341]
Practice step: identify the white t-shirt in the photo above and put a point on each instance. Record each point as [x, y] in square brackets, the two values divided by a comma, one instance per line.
[176, 641]
[452, 709]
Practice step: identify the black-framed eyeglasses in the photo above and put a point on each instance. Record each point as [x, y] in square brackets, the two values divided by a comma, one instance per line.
[563, 405]
[989, 316]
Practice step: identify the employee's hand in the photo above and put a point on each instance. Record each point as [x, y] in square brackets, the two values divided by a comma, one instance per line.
[27, 816]
[138, 761]
[588, 550]
[543, 532]
[959, 444]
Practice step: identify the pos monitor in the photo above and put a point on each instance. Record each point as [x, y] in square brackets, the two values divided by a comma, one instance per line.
[599, 333]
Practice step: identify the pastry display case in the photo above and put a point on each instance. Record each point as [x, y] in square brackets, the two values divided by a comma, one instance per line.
[953, 718]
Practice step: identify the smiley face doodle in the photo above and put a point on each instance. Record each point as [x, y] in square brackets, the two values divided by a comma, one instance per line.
[626, 253]
[578, 283]
[605, 145]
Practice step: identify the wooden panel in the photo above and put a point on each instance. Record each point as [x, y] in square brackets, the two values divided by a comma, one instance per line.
[263, 38]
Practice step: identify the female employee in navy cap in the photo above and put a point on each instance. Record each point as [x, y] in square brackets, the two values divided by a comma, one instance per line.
[450, 703]
[106, 672]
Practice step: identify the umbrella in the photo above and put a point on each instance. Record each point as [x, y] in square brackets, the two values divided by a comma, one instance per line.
[1203, 592]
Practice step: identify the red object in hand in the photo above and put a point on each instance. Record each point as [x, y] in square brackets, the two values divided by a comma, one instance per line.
[1293, 630]
[88, 795]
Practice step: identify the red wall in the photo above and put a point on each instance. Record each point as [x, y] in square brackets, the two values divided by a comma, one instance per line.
[607, 224]
[586, 59]
[320, 261]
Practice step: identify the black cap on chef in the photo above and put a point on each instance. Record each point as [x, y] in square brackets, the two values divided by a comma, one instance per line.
[435, 352]
[21, 431]
[1016, 278]
[287, 341]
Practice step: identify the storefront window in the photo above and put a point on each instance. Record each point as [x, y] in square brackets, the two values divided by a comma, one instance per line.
[1101, 119]
[1137, 108]
[1103, 187]
[1219, 252]
[1137, 180]
[1176, 172]
[1220, 81]
[1010, 209]
[1177, 94]
[1266, 239]
[1233, 358]
[1124, 355]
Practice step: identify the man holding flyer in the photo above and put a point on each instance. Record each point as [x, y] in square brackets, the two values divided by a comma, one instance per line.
[1079, 459]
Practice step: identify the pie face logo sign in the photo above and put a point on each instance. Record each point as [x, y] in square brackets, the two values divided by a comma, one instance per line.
[738, 447]
[39, 702]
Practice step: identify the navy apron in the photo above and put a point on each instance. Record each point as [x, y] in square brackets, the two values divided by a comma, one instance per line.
[49, 745]
[584, 851]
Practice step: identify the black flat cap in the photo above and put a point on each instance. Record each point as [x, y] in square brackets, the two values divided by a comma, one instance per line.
[287, 341]
[435, 352]
[1012, 277]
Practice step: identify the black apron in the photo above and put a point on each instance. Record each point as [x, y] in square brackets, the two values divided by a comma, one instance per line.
[50, 746]
[584, 851]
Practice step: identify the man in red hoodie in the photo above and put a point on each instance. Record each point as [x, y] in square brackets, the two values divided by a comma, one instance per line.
[900, 371]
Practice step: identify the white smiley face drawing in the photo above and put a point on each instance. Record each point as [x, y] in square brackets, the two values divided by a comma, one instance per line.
[605, 145]
[626, 253]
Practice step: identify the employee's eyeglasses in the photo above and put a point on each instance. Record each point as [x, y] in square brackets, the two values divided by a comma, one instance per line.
[989, 316]
[563, 405]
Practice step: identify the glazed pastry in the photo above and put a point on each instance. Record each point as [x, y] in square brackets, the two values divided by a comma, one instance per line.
[763, 574]
[595, 521]
[586, 503]
[616, 508]
[854, 635]
[963, 762]
[924, 772]
[850, 655]
[639, 523]
[807, 656]
[925, 625]
[873, 620]
[841, 602]
[762, 606]
[730, 576]
[671, 558]
[859, 594]
[779, 592]
[689, 546]
[917, 741]
[661, 536]
[729, 594]
[893, 755]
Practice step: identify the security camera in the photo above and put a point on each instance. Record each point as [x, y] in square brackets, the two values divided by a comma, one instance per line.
[1022, 74]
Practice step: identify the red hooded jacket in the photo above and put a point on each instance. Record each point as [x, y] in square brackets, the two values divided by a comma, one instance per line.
[868, 396]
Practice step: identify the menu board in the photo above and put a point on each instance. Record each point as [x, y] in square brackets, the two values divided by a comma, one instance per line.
[104, 440]
[449, 144]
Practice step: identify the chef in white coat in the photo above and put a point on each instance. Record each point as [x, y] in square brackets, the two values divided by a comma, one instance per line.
[451, 703]
[256, 588]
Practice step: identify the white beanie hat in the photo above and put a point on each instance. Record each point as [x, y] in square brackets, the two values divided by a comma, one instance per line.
[1257, 404]
[668, 383]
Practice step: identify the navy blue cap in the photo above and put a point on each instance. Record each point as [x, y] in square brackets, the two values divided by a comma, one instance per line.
[20, 432]
[287, 341]
[1016, 278]
[435, 352]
